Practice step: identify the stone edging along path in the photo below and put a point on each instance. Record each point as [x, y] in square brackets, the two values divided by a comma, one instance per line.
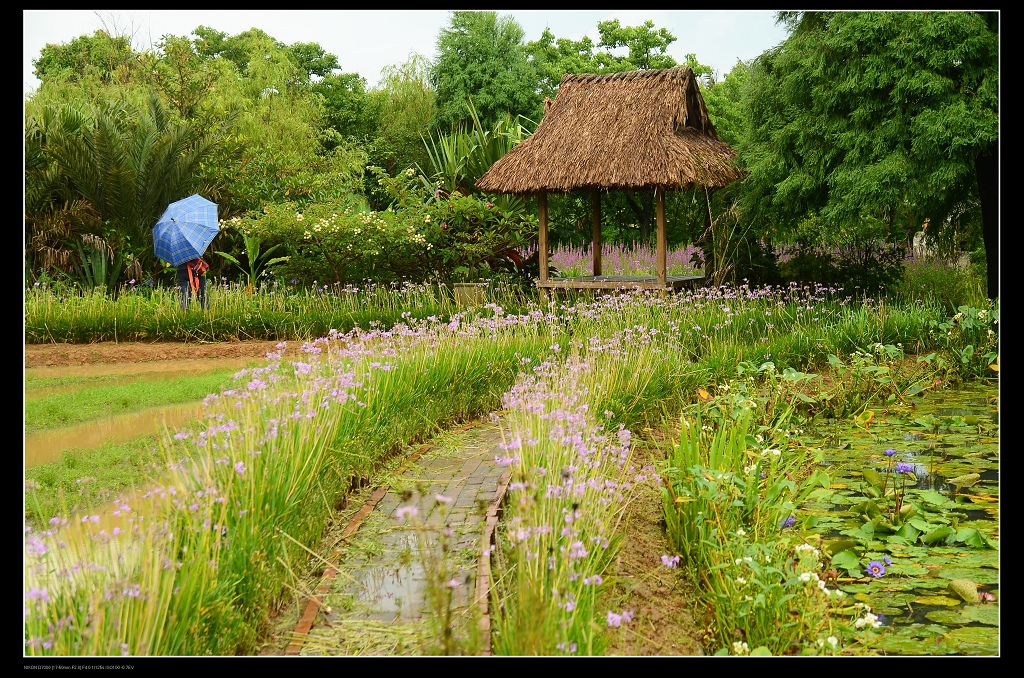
[468, 478]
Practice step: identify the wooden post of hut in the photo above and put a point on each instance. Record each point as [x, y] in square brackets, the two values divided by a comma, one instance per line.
[596, 231]
[542, 239]
[659, 196]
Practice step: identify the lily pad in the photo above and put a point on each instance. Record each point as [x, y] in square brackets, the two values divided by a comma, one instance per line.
[965, 480]
[965, 589]
[909, 570]
[976, 640]
[847, 560]
[937, 601]
[979, 575]
[838, 545]
[945, 617]
[911, 641]
[938, 535]
[983, 614]
[932, 497]
[926, 583]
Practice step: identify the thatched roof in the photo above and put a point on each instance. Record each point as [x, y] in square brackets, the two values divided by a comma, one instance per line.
[638, 129]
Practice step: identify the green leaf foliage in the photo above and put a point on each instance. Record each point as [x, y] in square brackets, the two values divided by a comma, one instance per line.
[871, 122]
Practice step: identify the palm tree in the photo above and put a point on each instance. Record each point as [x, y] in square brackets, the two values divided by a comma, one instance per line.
[458, 159]
[117, 166]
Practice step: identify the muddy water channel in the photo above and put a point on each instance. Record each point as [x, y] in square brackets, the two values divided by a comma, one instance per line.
[46, 446]
[911, 521]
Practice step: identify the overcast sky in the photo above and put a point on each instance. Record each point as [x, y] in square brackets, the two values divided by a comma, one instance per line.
[365, 41]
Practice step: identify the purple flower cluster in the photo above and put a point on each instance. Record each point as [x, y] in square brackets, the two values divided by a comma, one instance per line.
[632, 259]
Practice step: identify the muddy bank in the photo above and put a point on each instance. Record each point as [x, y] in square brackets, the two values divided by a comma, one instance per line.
[43, 355]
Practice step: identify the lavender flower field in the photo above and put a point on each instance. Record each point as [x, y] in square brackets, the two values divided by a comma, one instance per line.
[635, 259]
[191, 565]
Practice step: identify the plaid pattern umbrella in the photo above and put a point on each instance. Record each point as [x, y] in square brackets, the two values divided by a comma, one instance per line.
[185, 230]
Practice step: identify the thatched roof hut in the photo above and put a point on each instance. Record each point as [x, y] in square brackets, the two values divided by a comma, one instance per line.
[621, 131]
[632, 130]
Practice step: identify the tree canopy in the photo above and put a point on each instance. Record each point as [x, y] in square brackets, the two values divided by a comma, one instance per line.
[482, 55]
[875, 120]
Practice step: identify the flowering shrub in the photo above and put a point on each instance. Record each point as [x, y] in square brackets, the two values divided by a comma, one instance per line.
[419, 237]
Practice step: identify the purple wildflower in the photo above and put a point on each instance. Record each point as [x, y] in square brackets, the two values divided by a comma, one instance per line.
[406, 512]
[875, 569]
[890, 452]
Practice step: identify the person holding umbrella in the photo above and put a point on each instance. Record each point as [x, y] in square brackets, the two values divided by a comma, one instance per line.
[191, 278]
[180, 238]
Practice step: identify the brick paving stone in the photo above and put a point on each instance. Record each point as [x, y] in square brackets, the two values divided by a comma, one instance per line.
[390, 583]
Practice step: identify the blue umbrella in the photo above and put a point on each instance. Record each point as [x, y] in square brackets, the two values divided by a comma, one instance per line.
[185, 230]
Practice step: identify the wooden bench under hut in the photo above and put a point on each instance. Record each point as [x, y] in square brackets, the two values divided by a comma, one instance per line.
[621, 131]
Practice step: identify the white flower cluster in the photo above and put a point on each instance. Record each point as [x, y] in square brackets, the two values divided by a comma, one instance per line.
[807, 547]
[831, 640]
[813, 576]
[869, 620]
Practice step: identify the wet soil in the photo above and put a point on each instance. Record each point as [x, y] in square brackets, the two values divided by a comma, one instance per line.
[43, 355]
[668, 620]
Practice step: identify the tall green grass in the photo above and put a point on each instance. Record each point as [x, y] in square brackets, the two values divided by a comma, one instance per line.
[272, 313]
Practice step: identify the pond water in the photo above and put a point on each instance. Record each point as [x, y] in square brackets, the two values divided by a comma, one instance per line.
[45, 446]
[954, 534]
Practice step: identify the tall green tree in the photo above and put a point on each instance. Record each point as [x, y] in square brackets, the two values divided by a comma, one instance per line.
[646, 46]
[725, 102]
[553, 57]
[345, 103]
[875, 121]
[482, 55]
[182, 75]
[101, 55]
[403, 106]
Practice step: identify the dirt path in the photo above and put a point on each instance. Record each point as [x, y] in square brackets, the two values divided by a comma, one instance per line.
[42, 355]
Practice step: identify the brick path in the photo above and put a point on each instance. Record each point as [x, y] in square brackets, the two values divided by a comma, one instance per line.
[388, 584]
